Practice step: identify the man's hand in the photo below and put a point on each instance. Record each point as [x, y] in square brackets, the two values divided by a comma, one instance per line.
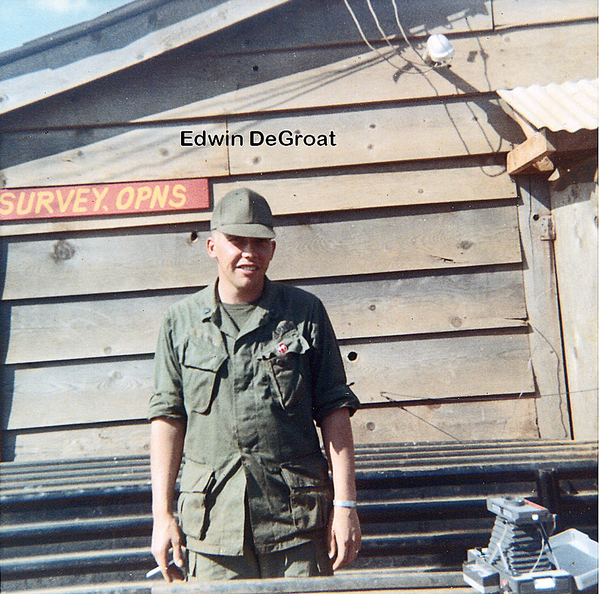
[344, 535]
[166, 535]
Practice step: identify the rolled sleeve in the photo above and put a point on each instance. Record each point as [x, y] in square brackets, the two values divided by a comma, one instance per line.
[344, 398]
[167, 399]
[330, 390]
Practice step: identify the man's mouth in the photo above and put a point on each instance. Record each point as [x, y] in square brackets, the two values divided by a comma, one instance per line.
[248, 268]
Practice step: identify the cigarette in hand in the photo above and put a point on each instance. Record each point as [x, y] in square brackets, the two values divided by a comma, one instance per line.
[156, 570]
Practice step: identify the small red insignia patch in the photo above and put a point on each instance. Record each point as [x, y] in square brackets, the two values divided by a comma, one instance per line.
[282, 348]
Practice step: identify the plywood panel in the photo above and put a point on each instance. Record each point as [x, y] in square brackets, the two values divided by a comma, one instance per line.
[374, 135]
[319, 246]
[456, 421]
[108, 155]
[69, 394]
[510, 13]
[451, 366]
[395, 185]
[360, 308]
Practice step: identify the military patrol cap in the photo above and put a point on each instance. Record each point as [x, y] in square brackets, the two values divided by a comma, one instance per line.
[244, 213]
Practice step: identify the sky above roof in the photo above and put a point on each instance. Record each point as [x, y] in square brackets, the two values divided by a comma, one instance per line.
[25, 20]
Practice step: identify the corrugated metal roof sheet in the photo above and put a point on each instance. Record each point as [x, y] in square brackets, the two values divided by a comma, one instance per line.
[571, 106]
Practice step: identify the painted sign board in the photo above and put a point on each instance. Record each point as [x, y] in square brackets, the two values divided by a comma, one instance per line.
[104, 199]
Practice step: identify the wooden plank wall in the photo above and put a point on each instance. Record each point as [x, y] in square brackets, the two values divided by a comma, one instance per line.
[408, 228]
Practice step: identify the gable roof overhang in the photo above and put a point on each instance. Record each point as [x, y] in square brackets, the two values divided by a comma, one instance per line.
[122, 38]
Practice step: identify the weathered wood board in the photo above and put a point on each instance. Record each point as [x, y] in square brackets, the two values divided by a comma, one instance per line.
[360, 136]
[114, 390]
[376, 135]
[311, 247]
[498, 419]
[543, 310]
[446, 367]
[511, 13]
[99, 156]
[574, 210]
[402, 305]
[541, 55]
[71, 443]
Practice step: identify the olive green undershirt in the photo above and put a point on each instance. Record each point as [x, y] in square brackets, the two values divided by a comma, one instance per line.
[239, 312]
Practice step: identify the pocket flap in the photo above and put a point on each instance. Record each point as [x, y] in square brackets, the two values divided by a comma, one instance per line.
[196, 477]
[203, 356]
[294, 343]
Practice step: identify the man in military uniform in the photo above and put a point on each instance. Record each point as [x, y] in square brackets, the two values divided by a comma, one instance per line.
[244, 369]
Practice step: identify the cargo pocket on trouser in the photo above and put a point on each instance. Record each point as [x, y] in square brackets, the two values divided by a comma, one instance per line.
[196, 481]
[310, 491]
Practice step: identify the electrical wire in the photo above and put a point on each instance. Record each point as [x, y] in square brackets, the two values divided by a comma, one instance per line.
[404, 33]
[378, 24]
[538, 558]
[546, 539]
[386, 38]
[359, 27]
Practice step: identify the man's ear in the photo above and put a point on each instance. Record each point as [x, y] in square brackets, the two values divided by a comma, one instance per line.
[210, 246]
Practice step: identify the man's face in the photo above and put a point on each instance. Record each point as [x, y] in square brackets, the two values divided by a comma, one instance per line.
[242, 265]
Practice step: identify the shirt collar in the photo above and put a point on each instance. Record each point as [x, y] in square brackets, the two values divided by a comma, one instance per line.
[265, 305]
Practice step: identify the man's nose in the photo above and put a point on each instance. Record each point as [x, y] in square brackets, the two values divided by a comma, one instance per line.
[249, 246]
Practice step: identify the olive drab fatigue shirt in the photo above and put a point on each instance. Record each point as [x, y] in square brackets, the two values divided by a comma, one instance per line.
[250, 399]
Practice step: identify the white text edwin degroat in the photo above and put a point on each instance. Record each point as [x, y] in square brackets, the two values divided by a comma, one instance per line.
[257, 138]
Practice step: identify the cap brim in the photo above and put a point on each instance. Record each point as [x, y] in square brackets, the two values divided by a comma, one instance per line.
[248, 230]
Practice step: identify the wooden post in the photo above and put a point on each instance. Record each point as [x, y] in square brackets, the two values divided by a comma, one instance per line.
[574, 207]
[553, 417]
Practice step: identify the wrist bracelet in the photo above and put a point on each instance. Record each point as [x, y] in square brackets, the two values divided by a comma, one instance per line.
[343, 503]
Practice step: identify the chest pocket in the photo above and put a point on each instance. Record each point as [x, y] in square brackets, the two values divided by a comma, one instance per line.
[287, 363]
[201, 362]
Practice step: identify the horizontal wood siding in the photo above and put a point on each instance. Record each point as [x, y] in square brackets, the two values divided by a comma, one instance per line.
[407, 228]
[311, 246]
[382, 305]
[379, 371]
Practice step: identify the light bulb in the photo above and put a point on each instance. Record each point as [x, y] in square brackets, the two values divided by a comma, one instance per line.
[438, 49]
